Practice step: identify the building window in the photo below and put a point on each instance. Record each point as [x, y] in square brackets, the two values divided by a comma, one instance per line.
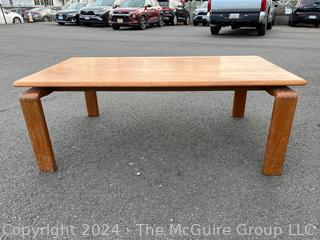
[43, 2]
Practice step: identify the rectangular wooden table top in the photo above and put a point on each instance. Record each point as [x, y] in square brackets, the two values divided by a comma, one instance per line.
[192, 71]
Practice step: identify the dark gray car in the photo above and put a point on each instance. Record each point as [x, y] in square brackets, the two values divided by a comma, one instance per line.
[39, 14]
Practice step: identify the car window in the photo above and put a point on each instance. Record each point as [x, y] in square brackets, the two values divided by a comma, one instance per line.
[103, 3]
[302, 3]
[164, 3]
[178, 4]
[154, 3]
[204, 5]
[148, 2]
[132, 3]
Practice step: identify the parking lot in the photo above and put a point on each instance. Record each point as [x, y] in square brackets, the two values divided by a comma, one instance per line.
[157, 157]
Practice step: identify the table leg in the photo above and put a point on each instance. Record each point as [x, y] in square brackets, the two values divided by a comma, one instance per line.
[92, 103]
[239, 103]
[280, 128]
[37, 127]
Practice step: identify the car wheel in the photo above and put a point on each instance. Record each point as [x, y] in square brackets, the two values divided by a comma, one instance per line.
[215, 29]
[204, 23]
[160, 23]
[46, 19]
[269, 25]
[16, 20]
[261, 29]
[61, 23]
[166, 23]
[317, 25]
[187, 21]
[195, 23]
[142, 24]
[174, 20]
[115, 27]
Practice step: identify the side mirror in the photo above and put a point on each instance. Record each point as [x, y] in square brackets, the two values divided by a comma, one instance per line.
[148, 6]
[116, 5]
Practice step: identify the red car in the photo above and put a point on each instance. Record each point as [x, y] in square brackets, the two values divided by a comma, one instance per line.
[137, 13]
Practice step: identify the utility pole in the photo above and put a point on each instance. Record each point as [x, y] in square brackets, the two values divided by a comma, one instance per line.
[4, 16]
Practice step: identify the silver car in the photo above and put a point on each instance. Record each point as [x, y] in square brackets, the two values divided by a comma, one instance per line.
[240, 13]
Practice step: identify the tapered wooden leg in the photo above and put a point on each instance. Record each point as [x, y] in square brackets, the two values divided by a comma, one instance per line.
[239, 103]
[280, 128]
[92, 103]
[37, 127]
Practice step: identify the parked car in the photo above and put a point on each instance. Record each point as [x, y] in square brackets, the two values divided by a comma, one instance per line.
[97, 12]
[174, 11]
[19, 10]
[137, 13]
[306, 11]
[70, 14]
[10, 17]
[200, 15]
[239, 13]
[39, 14]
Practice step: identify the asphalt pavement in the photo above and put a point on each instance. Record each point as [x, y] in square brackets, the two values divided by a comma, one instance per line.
[157, 158]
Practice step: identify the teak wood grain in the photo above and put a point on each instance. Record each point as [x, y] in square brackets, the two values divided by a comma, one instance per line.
[240, 74]
[37, 128]
[162, 72]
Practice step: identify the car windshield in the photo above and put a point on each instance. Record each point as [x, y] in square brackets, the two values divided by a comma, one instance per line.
[36, 9]
[132, 3]
[302, 3]
[103, 3]
[204, 5]
[75, 6]
[163, 3]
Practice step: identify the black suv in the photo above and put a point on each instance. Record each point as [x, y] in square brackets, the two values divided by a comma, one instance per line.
[174, 12]
[70, 14]
[97, 12]
[306, 11]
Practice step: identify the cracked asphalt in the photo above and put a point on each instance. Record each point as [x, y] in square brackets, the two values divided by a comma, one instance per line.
[156, 158]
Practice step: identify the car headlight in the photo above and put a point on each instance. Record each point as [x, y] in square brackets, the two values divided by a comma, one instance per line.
[195, 12]
[72, 14]
[133, 14]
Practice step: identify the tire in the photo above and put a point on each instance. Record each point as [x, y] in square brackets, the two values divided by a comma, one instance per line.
[16, 20]
[261, 29]
[45, 19]
[61, 23]
[204, 24]
[174, 20]
[195, 23]
[142, 24]
[160, 23]
[269, 25]
[215, 29]
[166, 23]
[115, 27]
[187, 21]
[317, 25]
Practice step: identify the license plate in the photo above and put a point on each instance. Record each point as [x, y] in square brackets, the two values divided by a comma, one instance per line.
[312, 17]
[119, 20]
[87, 18]
[60, 17]
[234, 15]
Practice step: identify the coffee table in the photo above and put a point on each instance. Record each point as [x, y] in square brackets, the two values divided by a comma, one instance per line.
[223, 73]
